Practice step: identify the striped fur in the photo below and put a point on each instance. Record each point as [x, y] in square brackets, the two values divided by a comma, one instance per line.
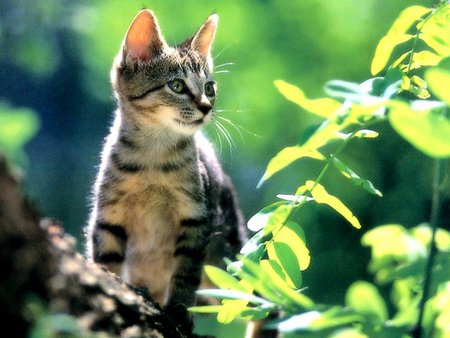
[161, 202]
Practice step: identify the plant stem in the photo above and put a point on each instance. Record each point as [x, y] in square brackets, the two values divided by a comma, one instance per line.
[439, 177]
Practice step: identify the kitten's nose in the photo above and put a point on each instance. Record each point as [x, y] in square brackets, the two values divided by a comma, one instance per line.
[205, 108]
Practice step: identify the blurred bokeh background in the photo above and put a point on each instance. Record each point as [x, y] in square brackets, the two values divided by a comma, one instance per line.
[55, 57]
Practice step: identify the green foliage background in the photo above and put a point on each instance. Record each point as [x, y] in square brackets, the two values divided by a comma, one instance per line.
[55, 58]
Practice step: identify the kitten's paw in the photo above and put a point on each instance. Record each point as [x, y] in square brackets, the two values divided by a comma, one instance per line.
[179, 313]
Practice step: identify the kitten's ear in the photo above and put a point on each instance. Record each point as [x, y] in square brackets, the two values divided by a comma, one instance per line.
[143, 39]
[203, 39]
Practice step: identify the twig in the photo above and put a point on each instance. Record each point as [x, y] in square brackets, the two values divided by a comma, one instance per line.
[434, 223]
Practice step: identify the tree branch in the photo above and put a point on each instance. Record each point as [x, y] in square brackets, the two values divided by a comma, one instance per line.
[38, 259]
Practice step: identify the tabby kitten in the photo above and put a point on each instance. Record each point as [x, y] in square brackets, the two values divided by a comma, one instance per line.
[161, 202]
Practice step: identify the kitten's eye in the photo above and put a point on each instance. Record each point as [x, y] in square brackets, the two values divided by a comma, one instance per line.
[178, 86]
[209, 89]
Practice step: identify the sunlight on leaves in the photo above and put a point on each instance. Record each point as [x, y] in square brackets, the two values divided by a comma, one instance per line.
[321, 196]
[222, 279]
[439, 80]
[436, 33]
[286, 157]
[424, 58]
[395, 36]
[428, 130]
[423, 233]
[292, 236]
[348, 333]
[322, 107]
[231, 310]
[384, 51]
[365, 133]
[270, 217]
[277, 285]
[365, 298]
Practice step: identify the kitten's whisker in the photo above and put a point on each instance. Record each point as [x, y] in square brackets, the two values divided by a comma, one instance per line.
[227, 136]
[231, 110]
[233, 125]
[221, 72]
[224, 64]
[216, 130]
[223, 49]
[238, 126]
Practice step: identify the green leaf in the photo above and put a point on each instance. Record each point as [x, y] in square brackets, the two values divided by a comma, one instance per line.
[231, 310]
[315, 321]
[270, 217]
[354, 178]
[425, 58]
[321, 196]
[286, 157]
[366, 133]
[386, 86]
[439, 45]
[348, 333]
[348, 90]
[285, 259]
[206, 308]
[323, 107]
[255, 248]
[258, 279]
[384, 50]
[438, 80]
[428, 130]
[365, 298]
[378, 234]
[295, 198]
[233, 295]
[423, 233]
[395, 36]
[254, 313]
[277, 285]
[222, 278]
[288, 249]
[295, 323]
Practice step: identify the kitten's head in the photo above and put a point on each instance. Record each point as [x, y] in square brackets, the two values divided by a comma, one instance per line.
[162, 86]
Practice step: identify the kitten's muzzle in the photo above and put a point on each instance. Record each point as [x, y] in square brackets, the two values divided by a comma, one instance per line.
[204, 108]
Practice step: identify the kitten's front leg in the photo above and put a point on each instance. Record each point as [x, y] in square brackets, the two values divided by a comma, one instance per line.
[108, 245]
[190, 254]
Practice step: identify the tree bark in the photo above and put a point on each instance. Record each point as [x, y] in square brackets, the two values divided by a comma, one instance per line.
[43, 276]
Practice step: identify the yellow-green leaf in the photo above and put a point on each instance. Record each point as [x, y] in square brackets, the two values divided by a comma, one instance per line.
[286, 157]
[427, 130]
[291, 235]
[230, 310]
[384, 51]
[354, 177]
[426, 58]
[222, 278]
[395, 36]
[270, 217]
[277, 284]
[321, 196]
[366, 133]
[206, 308]
[365, 298]
[439, 81]
[322, 107]
[438, 45]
